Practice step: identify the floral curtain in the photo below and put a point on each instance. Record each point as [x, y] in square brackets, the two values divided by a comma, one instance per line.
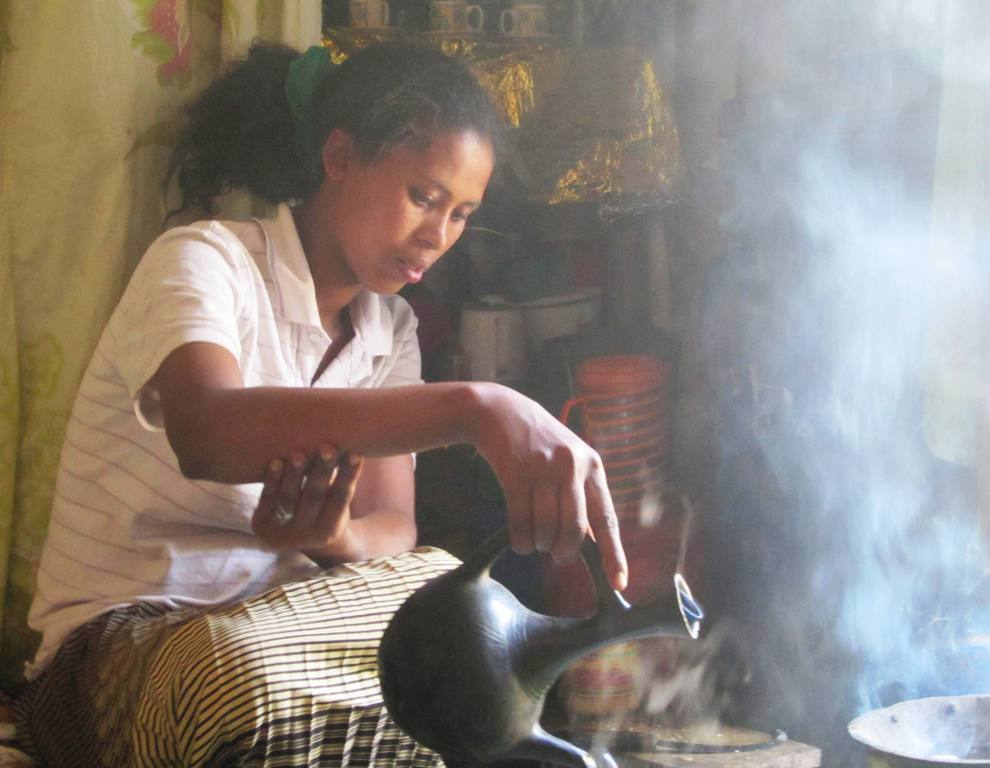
[90, 99]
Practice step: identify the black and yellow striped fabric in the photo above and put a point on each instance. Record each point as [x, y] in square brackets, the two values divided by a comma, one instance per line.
[288, 678]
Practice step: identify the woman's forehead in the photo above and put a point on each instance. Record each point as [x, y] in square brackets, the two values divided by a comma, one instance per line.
[462, 157]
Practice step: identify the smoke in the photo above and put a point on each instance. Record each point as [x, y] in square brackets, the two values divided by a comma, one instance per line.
[901, 560]
[844, 331]
[845, 148]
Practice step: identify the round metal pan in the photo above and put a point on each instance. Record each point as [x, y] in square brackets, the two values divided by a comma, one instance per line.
[936, 731]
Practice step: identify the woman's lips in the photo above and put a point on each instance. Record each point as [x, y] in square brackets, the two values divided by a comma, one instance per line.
[410, 273]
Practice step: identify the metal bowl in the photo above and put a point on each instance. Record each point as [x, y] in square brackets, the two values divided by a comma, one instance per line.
[937, 731]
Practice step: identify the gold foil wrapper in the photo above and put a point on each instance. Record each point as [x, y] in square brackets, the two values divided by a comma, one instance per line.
[590, 124]
[342, 43]
[509, 81]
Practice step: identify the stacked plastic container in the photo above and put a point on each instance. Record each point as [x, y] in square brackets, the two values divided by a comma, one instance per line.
[621, 409]
[623, 413]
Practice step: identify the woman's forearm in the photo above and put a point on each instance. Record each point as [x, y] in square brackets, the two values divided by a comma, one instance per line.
[229, 434]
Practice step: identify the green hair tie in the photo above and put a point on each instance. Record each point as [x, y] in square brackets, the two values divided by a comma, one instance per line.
[305, 74]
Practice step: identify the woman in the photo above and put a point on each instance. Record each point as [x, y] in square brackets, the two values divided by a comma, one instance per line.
[186, 612]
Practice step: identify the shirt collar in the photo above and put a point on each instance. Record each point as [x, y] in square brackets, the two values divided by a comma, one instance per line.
[369, 324]
[295, 294]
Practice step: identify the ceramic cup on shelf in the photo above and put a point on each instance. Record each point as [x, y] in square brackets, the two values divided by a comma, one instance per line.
[456, 17]
[525, 19]
[370, 14]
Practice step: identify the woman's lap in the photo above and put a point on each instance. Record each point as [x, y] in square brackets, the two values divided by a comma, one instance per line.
[288, 678]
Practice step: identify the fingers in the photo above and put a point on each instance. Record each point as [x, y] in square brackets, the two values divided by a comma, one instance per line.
[315, 491]
[545, 515]
[298, 496]
[342, 491]
[560, 518]
[605, 526]
[263, 521]
[290, 488]
[573, 522]
[277, 505]
[335, 510]
[518, 502]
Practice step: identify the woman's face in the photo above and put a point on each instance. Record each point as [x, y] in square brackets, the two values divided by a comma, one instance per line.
[396, 215]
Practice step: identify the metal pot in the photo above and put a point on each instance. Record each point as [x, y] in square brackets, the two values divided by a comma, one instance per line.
[936, 731]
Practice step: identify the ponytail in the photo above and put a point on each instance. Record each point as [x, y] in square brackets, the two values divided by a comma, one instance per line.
[241, 134]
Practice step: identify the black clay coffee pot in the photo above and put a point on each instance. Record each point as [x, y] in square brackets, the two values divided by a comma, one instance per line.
[465, 667]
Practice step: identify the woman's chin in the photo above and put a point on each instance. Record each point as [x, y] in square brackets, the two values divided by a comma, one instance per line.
[385, 287]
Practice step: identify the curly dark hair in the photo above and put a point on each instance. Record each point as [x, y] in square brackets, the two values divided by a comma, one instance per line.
[241, 133]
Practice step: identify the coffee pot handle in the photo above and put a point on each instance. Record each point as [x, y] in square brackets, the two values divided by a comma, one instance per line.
[609, 601]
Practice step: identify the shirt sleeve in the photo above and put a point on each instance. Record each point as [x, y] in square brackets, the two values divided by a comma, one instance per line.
[187, 288]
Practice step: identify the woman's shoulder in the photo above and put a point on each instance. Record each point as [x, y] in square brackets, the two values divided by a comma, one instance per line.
[218, 233]
[208, 241]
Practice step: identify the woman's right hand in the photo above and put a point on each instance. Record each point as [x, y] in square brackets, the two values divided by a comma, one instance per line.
[554, 482]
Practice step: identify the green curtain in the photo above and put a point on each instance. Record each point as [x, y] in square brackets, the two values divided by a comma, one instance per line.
[90, 99]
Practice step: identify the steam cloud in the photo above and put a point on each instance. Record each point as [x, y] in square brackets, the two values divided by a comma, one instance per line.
[844, 334]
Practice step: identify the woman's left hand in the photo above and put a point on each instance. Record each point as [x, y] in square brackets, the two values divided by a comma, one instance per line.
[306, 504]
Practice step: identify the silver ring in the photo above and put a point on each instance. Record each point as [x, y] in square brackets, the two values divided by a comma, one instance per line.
[282, 515]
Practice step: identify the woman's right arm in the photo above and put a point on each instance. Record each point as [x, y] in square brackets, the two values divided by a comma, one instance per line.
[554, 482]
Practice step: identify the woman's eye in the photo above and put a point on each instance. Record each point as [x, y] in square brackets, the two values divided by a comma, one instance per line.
[459, 216]
[420, 198]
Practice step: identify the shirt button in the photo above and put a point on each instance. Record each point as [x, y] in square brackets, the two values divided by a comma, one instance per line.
[316, 338]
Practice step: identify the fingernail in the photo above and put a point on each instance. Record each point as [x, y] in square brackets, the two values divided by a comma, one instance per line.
[354, 459]
[327, 453]
[298, 460]
[276, 465]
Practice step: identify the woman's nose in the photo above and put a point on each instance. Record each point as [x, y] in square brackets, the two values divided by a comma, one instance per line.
[434, 234]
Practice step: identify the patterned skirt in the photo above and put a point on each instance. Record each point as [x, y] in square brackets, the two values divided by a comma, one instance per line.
[287, 678]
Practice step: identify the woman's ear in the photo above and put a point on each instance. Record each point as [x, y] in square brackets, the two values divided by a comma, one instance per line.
[339, 152]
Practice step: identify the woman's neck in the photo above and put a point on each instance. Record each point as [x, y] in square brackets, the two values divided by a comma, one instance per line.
[334, 286]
